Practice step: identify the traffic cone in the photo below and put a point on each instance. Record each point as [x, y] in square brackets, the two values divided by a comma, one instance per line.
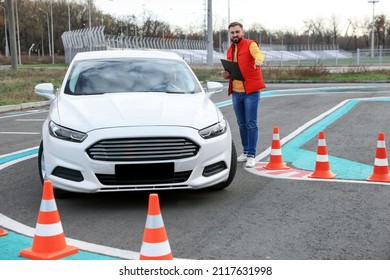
[49, 239]
[155, 244]
[381, 165]
[322, 169]
[3, 232]
[275, 158]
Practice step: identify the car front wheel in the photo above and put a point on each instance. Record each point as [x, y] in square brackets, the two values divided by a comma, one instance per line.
[232, 171]
[41, 163]
[42, 173]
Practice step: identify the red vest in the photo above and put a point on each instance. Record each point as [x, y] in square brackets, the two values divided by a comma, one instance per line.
[253, 78]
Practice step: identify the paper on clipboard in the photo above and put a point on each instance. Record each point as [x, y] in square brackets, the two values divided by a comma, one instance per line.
[233, 69]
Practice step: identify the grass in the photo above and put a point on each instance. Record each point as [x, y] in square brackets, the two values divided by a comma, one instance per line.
[304, 73]
[17, 87]
[357, 77]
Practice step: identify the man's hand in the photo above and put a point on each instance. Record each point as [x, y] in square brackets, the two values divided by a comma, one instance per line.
[258, 64]
[225, 74]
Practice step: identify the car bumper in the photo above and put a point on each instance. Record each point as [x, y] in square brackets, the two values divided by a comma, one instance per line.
[72, 159]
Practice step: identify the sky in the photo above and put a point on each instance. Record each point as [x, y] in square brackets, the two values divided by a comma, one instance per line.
[273, 15]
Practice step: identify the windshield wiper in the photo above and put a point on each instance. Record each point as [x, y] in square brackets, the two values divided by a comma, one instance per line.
[87, 93]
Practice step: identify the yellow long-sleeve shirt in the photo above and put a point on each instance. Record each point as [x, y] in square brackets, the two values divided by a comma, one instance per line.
[258, 56]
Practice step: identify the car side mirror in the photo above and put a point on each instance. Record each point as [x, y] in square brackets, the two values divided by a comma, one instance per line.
[45, 90]
[213, 87]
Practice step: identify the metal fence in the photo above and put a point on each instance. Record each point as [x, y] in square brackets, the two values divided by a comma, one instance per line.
[377, 59]
[92, 39]
[195, 51]
[83, 40]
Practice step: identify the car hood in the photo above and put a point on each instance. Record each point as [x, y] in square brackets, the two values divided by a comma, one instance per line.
[86, 113]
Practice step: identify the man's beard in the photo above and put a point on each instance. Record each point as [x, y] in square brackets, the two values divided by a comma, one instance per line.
[236, 40]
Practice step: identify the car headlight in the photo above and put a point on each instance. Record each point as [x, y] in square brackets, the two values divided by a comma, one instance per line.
[214, 130]
[67, 134]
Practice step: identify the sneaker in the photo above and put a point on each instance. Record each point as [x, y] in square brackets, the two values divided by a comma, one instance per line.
[250, 162]
[242, 158]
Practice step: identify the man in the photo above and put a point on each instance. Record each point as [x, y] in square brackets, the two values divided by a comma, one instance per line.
[245, 94]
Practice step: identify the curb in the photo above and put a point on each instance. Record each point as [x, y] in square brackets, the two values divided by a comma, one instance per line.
[23, 106]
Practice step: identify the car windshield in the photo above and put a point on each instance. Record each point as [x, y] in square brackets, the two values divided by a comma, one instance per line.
[130, 75]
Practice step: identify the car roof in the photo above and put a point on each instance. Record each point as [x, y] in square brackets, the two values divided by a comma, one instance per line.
[127, 53]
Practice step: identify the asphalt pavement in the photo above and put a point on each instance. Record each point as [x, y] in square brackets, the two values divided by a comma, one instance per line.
[257, 217]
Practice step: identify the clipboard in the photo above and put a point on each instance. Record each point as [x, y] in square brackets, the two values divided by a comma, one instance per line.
[233, 69]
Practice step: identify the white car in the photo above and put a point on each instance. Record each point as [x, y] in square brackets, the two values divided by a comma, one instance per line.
[129, 120]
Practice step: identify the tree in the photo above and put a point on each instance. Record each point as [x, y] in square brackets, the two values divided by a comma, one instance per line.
[33, 28]
[380, 28]
[333, 31]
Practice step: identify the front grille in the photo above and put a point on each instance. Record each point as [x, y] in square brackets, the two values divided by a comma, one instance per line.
[143, 149]
[178, 177]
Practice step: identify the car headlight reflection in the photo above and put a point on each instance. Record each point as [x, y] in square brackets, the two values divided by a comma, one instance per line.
[214, 130]
[67, 134]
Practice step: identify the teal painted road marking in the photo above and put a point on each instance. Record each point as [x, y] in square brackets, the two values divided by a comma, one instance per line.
[11, 244]
[19, 155]
[303, 159]
[304, 91]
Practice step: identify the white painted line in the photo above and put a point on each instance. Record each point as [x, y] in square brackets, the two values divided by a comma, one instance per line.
[28, 231]
[19, 133]
[90, 247]
[301, 129]
[5, 165]
[23, 114]
[290, 175]
[325, 180]
[86, 246]
[19, 152]
[29, 120]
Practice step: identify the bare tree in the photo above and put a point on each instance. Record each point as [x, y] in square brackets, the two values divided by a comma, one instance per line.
[33, 28]
[380, 28]
[333, 31]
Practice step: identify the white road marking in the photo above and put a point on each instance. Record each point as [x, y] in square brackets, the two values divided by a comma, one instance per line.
[90, 247]
[29, 120]
[19, 132]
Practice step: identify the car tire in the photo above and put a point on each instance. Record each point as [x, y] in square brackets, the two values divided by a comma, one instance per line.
[41, 164]
[42, 174]
[232, 172]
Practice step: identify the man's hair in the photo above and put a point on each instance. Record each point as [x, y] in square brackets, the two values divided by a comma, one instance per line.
[235, 23]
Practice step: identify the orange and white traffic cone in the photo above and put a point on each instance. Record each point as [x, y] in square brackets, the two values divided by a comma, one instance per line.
[155, 244]
[275, 158]
[322, 169]
[49, 239]
[381, 165]
[3, 232]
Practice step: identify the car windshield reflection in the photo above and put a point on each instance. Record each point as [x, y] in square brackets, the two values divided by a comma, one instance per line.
[91, 77]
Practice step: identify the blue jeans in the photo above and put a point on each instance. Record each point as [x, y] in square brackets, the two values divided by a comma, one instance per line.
[246, 107]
